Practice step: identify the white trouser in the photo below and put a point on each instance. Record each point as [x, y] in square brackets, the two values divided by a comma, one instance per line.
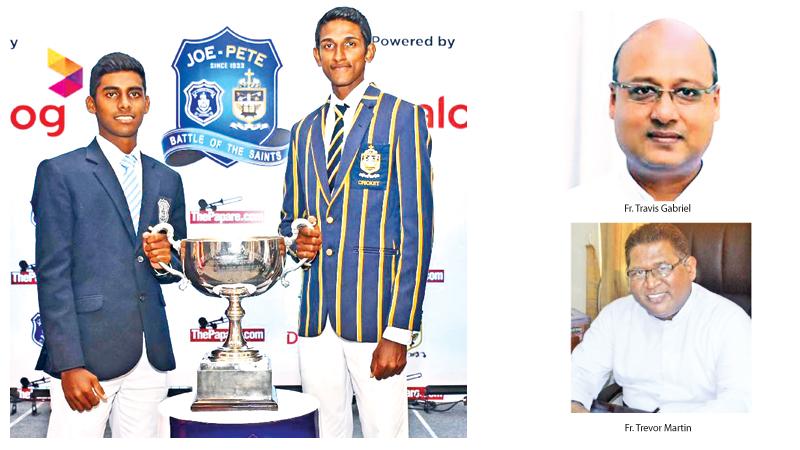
[332, 368]
[132, 405]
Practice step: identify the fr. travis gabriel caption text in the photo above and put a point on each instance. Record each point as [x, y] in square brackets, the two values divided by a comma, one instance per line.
[656, 208]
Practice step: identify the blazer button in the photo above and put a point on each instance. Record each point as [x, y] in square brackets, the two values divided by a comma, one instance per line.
[329, 252]
[329, 220]
[141, 297]
[140, 259]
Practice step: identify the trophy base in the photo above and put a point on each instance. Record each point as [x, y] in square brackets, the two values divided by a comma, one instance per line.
[235, 386]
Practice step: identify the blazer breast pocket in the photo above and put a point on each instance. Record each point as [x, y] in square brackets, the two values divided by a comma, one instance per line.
[89, 303]
[371, 168]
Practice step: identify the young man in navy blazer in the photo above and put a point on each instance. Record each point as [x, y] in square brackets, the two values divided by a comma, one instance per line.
[364, 171]
[107, 342]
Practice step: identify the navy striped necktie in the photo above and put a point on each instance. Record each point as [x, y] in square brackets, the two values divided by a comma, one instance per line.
[337, 144]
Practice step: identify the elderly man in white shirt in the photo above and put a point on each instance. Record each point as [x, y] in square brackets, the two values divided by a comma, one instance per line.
[672, 345]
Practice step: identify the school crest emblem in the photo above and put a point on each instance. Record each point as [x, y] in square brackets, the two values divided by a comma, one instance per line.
[227, 103]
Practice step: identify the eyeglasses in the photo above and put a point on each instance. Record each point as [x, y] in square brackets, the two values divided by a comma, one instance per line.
[659, 272]
[647, 93]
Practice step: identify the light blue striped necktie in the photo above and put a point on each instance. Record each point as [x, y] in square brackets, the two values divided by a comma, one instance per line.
[132, 189]
[337, 143]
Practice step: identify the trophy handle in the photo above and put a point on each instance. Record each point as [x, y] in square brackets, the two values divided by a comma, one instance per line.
[170, 232]
[296, 225]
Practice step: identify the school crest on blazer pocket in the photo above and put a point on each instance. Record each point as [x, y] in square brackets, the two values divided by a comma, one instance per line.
[163, 209]
[372, 167]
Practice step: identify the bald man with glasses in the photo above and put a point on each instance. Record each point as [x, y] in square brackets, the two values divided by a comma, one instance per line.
[662, 136]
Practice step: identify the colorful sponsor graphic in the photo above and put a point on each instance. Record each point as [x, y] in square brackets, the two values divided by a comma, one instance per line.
[72, 72]
[219, 334]
[435, 276]
[227, 108]
[37, 332]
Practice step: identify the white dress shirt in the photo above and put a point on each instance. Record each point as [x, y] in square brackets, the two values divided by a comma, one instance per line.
[114, 156]
[352, 100]
[698, 361]
[619, 186]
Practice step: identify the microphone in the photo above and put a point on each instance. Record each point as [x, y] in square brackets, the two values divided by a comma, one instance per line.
[204, 205]
[25, 382]
[213, 324]
[24, 266]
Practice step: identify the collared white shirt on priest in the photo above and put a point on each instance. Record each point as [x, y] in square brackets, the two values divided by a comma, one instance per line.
[619, 186]
[698, 361]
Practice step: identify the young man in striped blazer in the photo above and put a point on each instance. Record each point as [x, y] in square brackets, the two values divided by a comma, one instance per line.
[360, 165]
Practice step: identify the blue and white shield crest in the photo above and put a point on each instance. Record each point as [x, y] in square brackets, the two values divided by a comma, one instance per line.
[203, 101]
[227, 84]
[37, 332]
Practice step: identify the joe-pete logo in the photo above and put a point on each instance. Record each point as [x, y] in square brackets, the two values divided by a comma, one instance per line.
[227, 103]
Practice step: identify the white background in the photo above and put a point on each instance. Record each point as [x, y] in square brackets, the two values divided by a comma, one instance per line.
[519, 70]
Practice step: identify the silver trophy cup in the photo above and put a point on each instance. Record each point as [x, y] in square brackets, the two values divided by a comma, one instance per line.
[234, 376]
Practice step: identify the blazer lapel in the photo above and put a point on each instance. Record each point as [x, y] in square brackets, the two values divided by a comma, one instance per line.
[105, 175]
[318, 150]
[150, 189]
[354, 137]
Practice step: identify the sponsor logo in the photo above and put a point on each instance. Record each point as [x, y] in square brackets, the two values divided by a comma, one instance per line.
[225, 217]
[418, 393]
[220, 334]
[435, 276]
[23, 117]
[52, 117]
[26, 274]
[441, 115]
[72, 72]
[227, 103]
[210, 213]
[23, 277]
[37, 332]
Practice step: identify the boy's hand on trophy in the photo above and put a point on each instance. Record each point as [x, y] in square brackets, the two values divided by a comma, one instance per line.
[309, 240]
[157, 249]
